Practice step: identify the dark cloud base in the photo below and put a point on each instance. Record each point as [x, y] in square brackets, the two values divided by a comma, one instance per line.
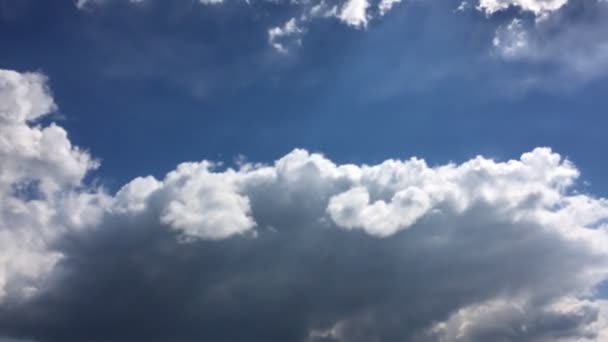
[134, 281]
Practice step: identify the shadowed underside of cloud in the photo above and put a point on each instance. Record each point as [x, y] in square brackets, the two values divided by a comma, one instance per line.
[303, 249]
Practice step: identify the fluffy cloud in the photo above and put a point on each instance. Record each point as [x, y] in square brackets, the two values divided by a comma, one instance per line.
[39, 174]
[559, 43]
[562, 44]
[303, 249]
[538, 7]
[380, 199]
[566, 42]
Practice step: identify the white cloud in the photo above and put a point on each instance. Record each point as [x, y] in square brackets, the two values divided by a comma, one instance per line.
[277, 35]
[386, 5]
[538, 7]
[205, 204]
[351, 12]
[380, 199]
[81, 3]
[40, 173]
[354, 13]
[464, 5]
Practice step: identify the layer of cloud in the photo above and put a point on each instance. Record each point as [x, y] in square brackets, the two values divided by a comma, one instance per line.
[302, 249]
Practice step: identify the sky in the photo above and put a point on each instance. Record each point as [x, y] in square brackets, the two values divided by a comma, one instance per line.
[303, 170]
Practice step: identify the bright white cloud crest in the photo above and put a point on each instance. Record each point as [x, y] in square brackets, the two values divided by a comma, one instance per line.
[538, 7]
[40, 173]
[480, 206]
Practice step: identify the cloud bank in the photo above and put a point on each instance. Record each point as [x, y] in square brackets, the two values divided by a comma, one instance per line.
[303, 249]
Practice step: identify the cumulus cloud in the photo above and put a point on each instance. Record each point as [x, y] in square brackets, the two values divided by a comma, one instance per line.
[39, 173]
[211, 2]
[538, 7]
[386, 5]
[302, 249]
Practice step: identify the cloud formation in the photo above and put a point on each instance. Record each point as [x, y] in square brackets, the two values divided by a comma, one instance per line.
[538, 7]
[40, 176]
[564, 37]
[303, 249]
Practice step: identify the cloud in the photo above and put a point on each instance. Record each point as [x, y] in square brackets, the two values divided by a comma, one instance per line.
[354, 13]
[204, 204]
[86, 4]
[211, 2]
[563, 48]
[352, 209]
[538, 7]
[39, 175]
[278, 36]
[302, 249]
[567, 319]
[557, 43]
[386, 5]
[511, 41]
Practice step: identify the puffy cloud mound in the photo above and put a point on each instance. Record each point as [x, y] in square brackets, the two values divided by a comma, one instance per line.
[303, 249]
[40, 172]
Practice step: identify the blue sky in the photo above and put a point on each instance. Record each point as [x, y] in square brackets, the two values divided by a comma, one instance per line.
[145, 86]
[303, 171]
